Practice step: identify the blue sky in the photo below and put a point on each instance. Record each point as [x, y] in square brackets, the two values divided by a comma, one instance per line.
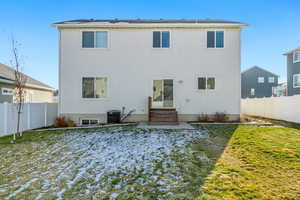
[274, 27]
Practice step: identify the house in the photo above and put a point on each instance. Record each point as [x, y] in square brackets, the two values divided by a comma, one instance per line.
[258, 82]
[281, 90]
[293, 71]
[35, 91]
[186, 67]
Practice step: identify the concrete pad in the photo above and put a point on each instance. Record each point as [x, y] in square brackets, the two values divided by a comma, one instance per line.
[183, 125]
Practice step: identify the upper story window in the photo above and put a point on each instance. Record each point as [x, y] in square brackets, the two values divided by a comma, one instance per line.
[7, 91]
[94, 39]
[296, 80]
[261, 79]
[296, 56]
[94, 87]
[271, 79]
[206, 83]
[161, 39]
[215, 39]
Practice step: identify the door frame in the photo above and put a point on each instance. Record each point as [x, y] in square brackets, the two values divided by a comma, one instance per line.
[152, 92]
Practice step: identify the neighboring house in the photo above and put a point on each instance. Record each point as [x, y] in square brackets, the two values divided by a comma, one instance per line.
[258, 82]
[188, 67]
[281, 90]
[293, 71]
[36, 91]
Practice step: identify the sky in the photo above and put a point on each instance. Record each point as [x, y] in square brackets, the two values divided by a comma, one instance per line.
[274, 27]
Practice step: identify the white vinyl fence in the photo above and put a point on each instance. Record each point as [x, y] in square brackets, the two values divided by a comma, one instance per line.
[282, 108]
[34, 115]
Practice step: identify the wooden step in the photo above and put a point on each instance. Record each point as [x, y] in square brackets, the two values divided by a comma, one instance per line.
[164, 119]
[163, 109]
[158, 114]
[163, 116]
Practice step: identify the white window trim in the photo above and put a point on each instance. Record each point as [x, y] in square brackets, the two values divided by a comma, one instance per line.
[262, 81]
[95, 48]
[89, 121]
[252, 89]
[294, 53]
[7, 94]
[216, 39]
[294, 86]
[206, 83]
[170, 38]
[95, 99]
[273, 79]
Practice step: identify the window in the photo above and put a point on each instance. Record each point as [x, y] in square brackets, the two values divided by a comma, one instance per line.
[94, 39]
[296, 56]
[296, 80]
[271, 79]
[261, 79]
[94, 87]
[215, 39]
[206, 83]
[252, 91]
[7, 91]
[161, 39]
[89, 122]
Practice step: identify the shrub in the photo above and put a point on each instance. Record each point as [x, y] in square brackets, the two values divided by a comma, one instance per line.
[204, 118]
[220, 117]
[63, 122]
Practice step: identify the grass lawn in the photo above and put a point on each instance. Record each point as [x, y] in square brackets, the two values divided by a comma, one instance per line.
[213, 162]
[257, 163]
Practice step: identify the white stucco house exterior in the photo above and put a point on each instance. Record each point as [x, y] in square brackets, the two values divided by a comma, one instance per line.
[191, 66]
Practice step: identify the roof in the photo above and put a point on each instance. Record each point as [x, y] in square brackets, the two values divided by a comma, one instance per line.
[141, 22]
[292, 51]
[257, 67]
[7, 74]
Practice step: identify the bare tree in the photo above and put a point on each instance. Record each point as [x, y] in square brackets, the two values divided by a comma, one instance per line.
[20, 82]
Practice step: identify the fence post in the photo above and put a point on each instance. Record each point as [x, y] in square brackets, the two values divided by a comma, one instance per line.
[45, 112]
[5, 113]
[28, 115]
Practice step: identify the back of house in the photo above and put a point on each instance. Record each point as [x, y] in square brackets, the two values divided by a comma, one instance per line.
[186, 66]
[293, 71]
[258, 82]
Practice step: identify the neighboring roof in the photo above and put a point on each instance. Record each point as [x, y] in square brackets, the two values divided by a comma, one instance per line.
[291, 51]
[7, 74]
[140, 22]
[257, 67]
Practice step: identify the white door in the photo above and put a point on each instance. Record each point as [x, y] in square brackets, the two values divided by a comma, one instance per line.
[163, 93]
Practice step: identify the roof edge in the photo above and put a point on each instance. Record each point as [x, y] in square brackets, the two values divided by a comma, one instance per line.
[169, 25]
[255, 66]
[291, 51]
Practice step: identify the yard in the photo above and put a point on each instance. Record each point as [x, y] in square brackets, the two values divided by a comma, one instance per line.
[211, 162]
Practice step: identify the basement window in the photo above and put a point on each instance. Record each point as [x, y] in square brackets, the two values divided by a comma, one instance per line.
[87, 122]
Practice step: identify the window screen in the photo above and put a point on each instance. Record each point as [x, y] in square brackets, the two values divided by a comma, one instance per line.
[101, 39]
[210, 83]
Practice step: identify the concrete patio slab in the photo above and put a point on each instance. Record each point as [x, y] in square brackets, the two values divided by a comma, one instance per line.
[183, 125]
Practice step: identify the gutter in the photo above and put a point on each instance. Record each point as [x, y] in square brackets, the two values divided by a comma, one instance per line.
[27, 85]
[151, 25]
